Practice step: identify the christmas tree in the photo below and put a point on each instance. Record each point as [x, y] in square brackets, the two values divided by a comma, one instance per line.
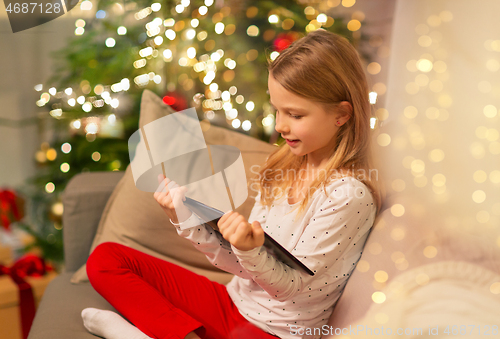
[201, 54]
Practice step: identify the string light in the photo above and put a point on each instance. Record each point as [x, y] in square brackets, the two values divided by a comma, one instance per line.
[236, 123]
[57, 208]
[96, 156]
[86, 5]
[273, 19]
[122, 30]
[50, 187]
[64, 167]
[203, 10]
[51, 154]
[87, 107]
[76, 124]
[155, 7]
[246, 125]
[66, 147]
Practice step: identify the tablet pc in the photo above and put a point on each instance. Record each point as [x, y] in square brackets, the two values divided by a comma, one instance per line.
[209, 213]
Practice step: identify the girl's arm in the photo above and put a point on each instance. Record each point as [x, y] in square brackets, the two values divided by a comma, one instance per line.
[337, 226]
[217, 250]
[170, 197]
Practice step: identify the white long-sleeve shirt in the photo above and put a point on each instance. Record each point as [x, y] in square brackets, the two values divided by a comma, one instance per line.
[328, 238]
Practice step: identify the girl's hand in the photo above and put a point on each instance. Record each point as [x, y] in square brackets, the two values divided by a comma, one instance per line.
[171, 199]
[242, 235]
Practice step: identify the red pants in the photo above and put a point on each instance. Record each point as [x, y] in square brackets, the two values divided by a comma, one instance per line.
[164, 300]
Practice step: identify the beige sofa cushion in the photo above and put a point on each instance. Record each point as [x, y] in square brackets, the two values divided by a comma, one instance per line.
[134, 218]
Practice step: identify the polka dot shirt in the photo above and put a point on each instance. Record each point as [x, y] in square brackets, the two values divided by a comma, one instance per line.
[328, 238]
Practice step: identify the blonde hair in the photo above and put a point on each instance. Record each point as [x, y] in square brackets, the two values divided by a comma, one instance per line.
[325, 68]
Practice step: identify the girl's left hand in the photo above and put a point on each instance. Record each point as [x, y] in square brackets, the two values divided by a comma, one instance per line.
[239, 232]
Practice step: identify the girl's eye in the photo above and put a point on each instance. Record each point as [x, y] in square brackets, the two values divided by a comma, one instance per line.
[291, 115]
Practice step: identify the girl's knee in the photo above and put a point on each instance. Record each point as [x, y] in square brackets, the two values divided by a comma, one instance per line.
[102, 249]
[102, 257]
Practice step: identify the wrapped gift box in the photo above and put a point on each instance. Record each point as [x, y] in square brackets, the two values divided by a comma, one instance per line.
[6, 255]
[10, 321]
[12, 243]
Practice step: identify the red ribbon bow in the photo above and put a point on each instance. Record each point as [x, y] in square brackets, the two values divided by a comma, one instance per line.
[28, 265]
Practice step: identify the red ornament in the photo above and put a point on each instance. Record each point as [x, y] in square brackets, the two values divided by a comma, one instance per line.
[9, 210]
[175, 100]
[283, 40]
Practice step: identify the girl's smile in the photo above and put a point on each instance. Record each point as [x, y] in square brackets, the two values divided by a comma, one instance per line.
[292, 143]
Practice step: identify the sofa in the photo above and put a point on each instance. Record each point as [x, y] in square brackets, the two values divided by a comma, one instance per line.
[405, 264]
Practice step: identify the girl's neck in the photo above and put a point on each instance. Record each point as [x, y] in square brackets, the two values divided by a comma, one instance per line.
[312, 170]
[308, 172]
[311, 164]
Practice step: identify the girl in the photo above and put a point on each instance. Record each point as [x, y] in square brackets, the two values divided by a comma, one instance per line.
[315, 197]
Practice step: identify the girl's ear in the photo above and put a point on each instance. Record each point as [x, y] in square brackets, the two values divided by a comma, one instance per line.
[344, 112]
[346, 108]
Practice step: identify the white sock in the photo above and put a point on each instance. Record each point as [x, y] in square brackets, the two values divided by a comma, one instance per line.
[110, 325]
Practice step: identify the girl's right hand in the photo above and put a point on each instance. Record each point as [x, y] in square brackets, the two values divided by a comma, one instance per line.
[170, 197]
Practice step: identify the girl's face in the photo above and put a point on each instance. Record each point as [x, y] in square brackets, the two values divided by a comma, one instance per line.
[306, 126]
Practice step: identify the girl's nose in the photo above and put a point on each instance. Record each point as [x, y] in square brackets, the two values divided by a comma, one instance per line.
[280, 126]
